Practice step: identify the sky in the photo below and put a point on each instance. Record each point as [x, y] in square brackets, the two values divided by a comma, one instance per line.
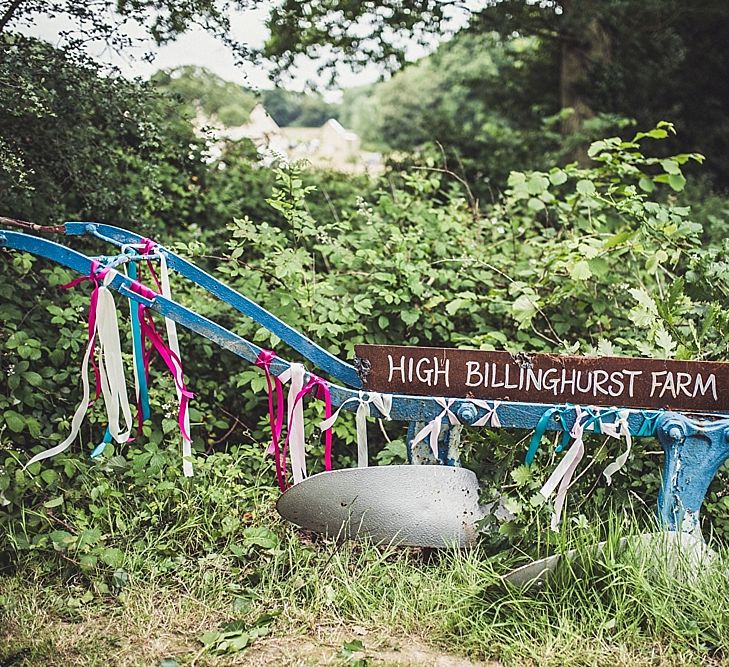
[197, 47]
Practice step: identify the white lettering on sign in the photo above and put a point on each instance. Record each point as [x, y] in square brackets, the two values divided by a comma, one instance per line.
[567, 381]
[435, 371]
[664, 382]
[431, 371]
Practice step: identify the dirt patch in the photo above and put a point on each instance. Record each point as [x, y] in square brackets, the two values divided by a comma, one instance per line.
[326, 648]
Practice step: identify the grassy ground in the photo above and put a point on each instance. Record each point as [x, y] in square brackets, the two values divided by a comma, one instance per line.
[285, 600]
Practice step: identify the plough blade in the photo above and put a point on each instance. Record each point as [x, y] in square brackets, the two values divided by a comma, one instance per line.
[408, 505]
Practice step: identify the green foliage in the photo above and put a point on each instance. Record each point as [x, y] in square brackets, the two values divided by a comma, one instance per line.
[79, 143]
[235, 636]
[108, 21]
[588, 66]
[203, 91]
[230, 104]
[474, 98]
[133, 512]
[288, 107]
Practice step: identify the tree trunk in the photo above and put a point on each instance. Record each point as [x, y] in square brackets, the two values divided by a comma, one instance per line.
[585, 43]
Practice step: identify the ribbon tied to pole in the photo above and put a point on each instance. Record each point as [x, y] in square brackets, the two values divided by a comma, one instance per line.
[171, 359]
[432, 429]
[275, 414]
[103, 326]
[319, 388]
[491, 418]
[563, 473]
[618, 429]
[383, 403]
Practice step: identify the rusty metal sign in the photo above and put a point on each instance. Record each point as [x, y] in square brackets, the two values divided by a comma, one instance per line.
[699, 386]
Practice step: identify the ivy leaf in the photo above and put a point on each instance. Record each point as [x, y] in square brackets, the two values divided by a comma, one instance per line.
[516, 178]
[646, 184]
[260, 536]
[581, 271]
[454, 306]
[113, 557]
[15, 421]
[585, 187]
[523, 310]
[410, 316]
[33, 379]
[537, 184]
[677, 182]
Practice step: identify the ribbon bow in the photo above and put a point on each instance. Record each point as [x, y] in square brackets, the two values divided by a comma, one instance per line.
[490, 418]
[432, 428]
[383, 403]
[295, 433]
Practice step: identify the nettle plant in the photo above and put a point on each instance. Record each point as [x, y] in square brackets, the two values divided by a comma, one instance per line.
[598, 254]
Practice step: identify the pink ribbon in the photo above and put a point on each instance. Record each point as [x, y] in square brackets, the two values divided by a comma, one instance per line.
[148, 247]
[322, 390]
[172, 361]
[275, 417]
[96, 279]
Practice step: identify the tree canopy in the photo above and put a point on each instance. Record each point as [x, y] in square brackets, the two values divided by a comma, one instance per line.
[634, 59]
[110, 20]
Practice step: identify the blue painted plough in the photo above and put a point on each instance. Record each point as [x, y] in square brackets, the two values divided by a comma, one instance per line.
[694, 448]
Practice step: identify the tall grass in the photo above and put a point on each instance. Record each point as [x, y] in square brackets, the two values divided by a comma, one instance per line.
[217, 552]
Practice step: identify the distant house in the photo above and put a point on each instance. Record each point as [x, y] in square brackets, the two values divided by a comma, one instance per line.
[330, 146]
[260, 128]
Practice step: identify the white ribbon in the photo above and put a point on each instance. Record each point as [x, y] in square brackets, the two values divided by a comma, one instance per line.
[490, 418]
[618, 429]
[295, 413]
[174, 345]
[383, 403]
[432, 428]
[563, 473]
[111, 370]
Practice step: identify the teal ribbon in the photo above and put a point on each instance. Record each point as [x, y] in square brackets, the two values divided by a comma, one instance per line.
[648, 427]
[99, 449]
[541, 429]
[143, 404]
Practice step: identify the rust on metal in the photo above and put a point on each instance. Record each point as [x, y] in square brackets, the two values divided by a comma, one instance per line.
[700, 386]
[32, 226]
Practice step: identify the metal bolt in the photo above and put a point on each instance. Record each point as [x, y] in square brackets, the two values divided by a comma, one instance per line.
[675, 433]
[467, 413]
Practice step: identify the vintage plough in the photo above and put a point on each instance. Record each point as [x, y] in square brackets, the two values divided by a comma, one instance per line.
[437, 392]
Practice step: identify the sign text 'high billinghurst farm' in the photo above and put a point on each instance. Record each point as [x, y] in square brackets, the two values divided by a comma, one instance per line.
[701, 386]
